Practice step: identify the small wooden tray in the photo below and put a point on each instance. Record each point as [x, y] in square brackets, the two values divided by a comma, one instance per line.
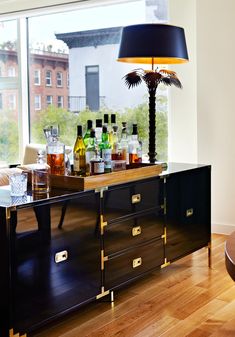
[92, 182]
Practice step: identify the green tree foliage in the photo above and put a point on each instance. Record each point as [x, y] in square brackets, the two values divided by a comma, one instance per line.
[68, 121]
[9, 138]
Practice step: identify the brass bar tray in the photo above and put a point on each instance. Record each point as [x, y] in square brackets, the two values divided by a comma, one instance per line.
[133, 172]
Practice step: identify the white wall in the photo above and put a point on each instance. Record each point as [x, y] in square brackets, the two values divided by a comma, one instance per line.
[208, 107]
[183, 105]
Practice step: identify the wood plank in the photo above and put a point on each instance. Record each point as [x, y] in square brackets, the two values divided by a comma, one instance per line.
[108, 179]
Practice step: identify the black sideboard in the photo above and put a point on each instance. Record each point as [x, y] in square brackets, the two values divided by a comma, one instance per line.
[107, 238]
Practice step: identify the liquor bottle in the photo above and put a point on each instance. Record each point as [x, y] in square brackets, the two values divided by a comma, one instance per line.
[79, 154]
[124, 143]
[106, 151]
[55, 152]
[116, 151]
[96, 164]
[41, 175]
[113, 123]
[134, 148]
[91, 150]
[98, 130]
[88, 131]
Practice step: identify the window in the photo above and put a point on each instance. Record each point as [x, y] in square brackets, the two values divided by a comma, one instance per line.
[92, 88]
[48, 78]
[60, 101]
[59, 79]
[67, 80]
[12, 102]
[49, 100]
[37, 102]
[11, 72]
[10, 112]
[37, 77]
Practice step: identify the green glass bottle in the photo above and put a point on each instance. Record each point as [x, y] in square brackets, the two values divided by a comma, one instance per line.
[106, 151]
[79, 154]
[88, 132]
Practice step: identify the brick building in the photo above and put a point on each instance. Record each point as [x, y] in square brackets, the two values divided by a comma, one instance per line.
[48, 80]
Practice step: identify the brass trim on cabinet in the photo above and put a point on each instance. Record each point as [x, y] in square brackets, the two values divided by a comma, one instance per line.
[136, 230]
[101, 190]
[166, 263]
[137, 262]
[103, 259]
[136, 198]
[103, 293]
[164, 236]
[102, 224]
[11, 334]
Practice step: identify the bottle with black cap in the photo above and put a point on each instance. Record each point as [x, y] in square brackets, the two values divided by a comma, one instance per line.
[98, 130]
[88, 132]
[79, 154]
[134, 148]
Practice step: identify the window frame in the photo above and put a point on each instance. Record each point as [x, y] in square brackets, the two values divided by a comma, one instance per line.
[61, 103]
[48, 71]
[59, 79]
[38, 71]
[37, 108]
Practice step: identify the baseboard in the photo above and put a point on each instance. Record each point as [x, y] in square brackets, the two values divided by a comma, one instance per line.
[222, 229]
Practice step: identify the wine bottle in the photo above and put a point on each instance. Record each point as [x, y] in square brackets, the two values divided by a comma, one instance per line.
[79, 154]
[88, 132]
[91, 149]
[124, 143]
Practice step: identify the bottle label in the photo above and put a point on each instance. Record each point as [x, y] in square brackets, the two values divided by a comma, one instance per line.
[89, 156]
[76, 162]
[107, 156]
[98, 167]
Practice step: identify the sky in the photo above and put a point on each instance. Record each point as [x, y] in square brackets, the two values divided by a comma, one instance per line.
[42, 29]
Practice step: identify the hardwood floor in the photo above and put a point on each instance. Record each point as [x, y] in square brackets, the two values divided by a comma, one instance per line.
[184, 299]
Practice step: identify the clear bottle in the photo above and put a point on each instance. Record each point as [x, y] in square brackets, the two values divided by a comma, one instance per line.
[91, 150]
[134, 148]
[116, 151]
[88, 132]
[41, 175]
[113, 123]
[55, 152]
[106, 151]
[124, 143]
[98, 130]
[79, 154]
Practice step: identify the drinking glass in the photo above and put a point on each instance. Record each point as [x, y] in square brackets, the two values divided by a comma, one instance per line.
[18, 183]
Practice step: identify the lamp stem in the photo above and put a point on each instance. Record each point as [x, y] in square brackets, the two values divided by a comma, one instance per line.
[152, 64]
[152, 126]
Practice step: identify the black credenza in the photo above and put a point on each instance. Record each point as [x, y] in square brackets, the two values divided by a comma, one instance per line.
[108, 238]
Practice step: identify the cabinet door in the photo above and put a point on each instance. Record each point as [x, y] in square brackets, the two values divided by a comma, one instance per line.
[188, 207]
[54, 269]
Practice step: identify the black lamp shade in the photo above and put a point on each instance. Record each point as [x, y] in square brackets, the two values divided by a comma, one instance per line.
[153, 44]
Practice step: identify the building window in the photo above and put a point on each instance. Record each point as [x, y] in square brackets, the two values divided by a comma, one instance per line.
[1, 102]
[92, 88]
[67, 79]
[59, 79]
[60, 101]
[37, 102]
[12, 102]
[49, 100]
[37, 77]
[48, 78]
[11, 72]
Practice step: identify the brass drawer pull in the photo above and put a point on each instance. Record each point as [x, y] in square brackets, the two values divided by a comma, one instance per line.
[137, 262]
[189, 212]
[136, 231]
[136, 198]
[61, 256]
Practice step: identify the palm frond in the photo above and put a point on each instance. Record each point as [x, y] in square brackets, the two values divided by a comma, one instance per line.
[171, 81]
[167, 72]
[132, 79]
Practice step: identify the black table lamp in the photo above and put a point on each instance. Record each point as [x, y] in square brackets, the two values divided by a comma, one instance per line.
[153, 44]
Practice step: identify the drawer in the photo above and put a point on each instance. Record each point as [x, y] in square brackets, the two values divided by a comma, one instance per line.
[133, 263]
[130, 198]
[133, 231]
